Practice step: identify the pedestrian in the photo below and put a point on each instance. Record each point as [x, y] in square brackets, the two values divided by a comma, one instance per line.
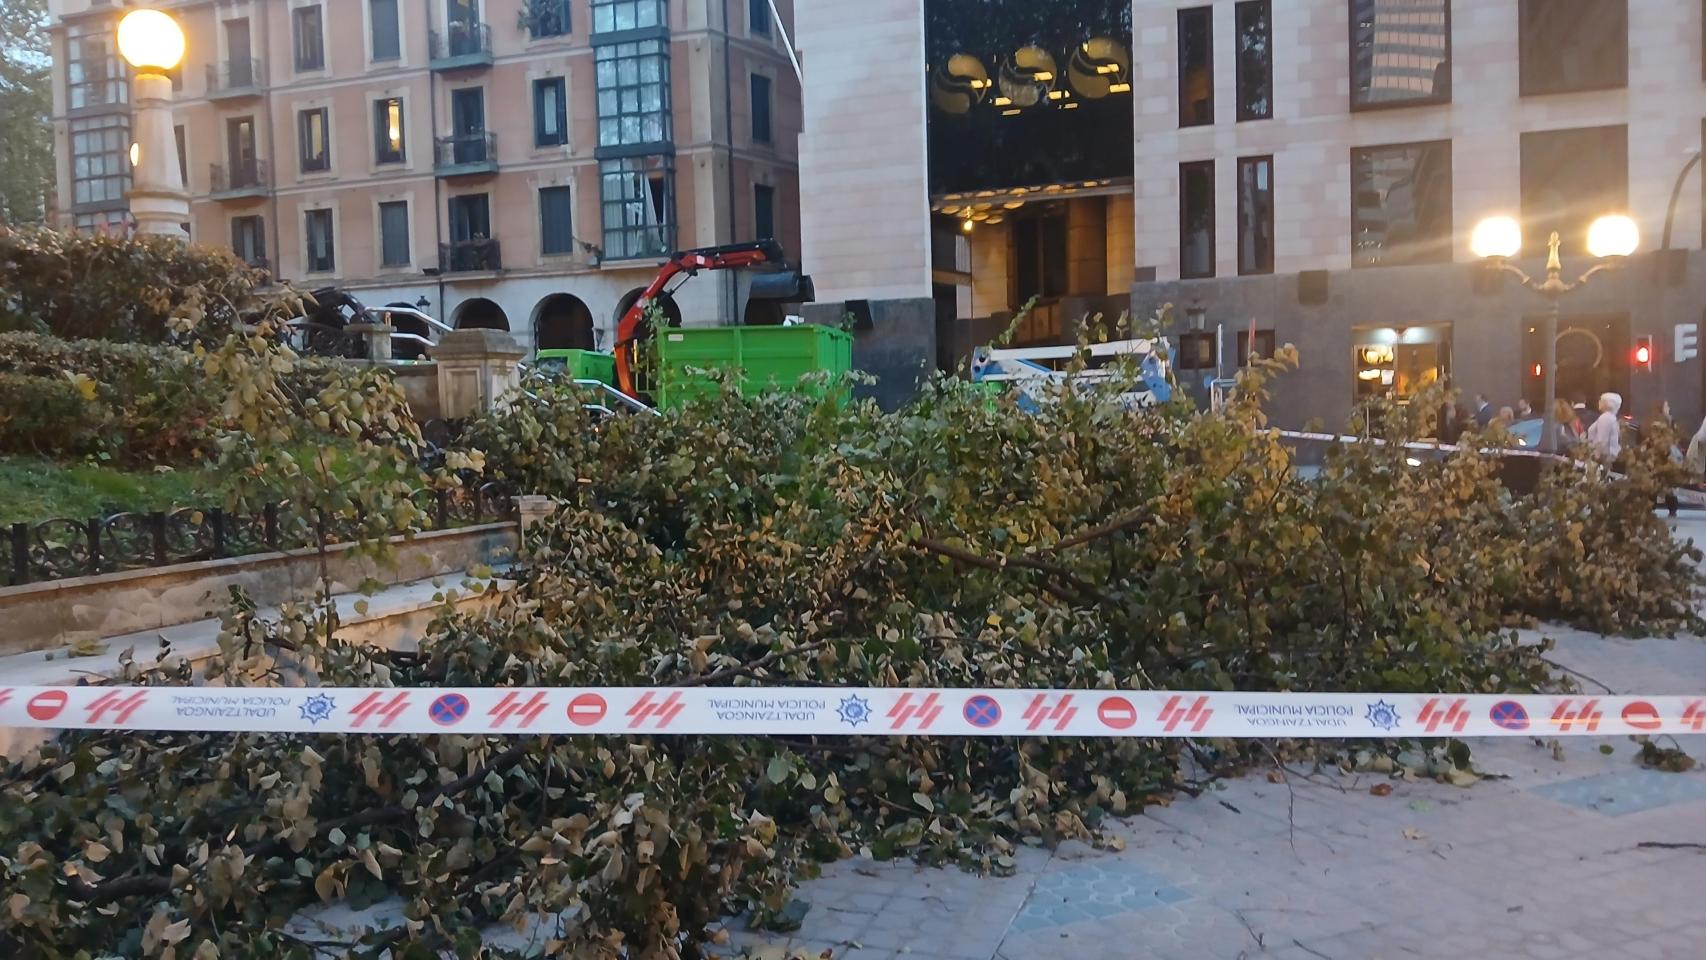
[1523, 410]
[1483, 411]
[1569, 424]
[1506, 417]
[1450, 423]
[1603, 437]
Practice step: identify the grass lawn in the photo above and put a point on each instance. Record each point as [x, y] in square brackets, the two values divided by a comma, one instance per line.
[32, 489]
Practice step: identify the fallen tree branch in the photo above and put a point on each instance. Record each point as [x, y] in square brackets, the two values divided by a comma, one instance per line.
[156, 885]
[1081, 588]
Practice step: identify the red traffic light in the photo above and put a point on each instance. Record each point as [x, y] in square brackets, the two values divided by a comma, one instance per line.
[1537, 370]
[1643, 355]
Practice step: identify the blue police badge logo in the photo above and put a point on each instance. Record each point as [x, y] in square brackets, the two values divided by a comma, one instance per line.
[854, 711]
[1383, 715]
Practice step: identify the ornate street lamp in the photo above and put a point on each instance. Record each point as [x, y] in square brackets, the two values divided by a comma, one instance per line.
[1610, 239]
[153, 43]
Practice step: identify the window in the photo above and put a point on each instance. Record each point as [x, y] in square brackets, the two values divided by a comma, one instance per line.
[638, 199]
[1570, 178]
[546, 18]
[1571, 45]
[100, 159]
[1196, 67]
[318, 229]
[94, 74]
[556, 221]
[633, 106]
[1256, 215]
[760, 108]
[550, 112]
[249, 240]
[1197, 351]
[1196, 219]
[763, 212]
[758, 17]
[394, 233]
[609, 16]
[1264, 348]
[1401, 204]
[1400, 53]
[388, 130]
[183, 154]
[315, 152]
[382, 22]
[470, 218]
[309, 38]
[1255, 60]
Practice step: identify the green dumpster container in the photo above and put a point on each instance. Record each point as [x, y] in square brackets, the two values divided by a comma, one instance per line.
[580, 364]
[769, 358]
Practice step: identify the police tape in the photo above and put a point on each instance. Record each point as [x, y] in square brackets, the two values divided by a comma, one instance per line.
[839, 711]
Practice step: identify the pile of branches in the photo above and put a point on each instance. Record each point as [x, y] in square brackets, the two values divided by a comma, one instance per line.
[777, 540]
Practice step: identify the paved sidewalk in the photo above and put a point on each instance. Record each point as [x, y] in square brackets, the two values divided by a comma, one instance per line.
[1565, 859]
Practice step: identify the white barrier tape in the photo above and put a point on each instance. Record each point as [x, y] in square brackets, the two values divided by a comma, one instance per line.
[845, 711]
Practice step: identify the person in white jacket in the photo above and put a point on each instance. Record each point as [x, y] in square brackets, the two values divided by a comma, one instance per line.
[1603, 437]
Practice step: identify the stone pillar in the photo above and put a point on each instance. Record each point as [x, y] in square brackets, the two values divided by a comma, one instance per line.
[533, 509]
[376, 336]
[157, 198]
[476, 369]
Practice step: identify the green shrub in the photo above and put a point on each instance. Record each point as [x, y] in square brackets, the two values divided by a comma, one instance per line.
[48, 416]
[157, 406]
[144, 289]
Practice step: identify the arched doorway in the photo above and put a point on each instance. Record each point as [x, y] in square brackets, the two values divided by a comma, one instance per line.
[480, 314]
[563, 322]
[641, 357]
[671, 311]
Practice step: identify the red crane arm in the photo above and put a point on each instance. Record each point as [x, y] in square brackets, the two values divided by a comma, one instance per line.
[690, 262]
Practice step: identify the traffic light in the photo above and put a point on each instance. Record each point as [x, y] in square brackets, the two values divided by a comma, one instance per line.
[1644, 353]
[1537, 370]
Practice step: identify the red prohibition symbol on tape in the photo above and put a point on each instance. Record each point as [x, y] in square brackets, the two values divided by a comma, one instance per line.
[47, 704]
[1642, 716]
[1116, 713]
[587, 709]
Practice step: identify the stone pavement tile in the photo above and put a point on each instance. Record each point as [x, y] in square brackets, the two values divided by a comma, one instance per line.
[1620, 793]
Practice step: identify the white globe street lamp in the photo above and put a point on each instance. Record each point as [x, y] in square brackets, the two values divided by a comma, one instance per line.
[153, 43]
[1611, 239]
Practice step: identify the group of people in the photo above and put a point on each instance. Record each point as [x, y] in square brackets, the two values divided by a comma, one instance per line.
[1603, 436]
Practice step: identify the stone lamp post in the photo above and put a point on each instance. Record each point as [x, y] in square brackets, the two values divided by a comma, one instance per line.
[153, 43]
[1611, 239]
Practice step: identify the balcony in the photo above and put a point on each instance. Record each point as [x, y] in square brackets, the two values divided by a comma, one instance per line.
[470, 256]
[466, 154]
[239, 181]
[464, 46]
[235, 79]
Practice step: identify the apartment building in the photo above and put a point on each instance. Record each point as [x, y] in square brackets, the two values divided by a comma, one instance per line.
[1304, 171]
[513, 164]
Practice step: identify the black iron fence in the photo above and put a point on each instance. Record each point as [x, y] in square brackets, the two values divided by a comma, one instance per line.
[242, 175]
[62, 547]
[463, 39]
[238, 74]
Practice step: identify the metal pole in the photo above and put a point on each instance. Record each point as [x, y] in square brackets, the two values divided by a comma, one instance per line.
[1549, 357]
